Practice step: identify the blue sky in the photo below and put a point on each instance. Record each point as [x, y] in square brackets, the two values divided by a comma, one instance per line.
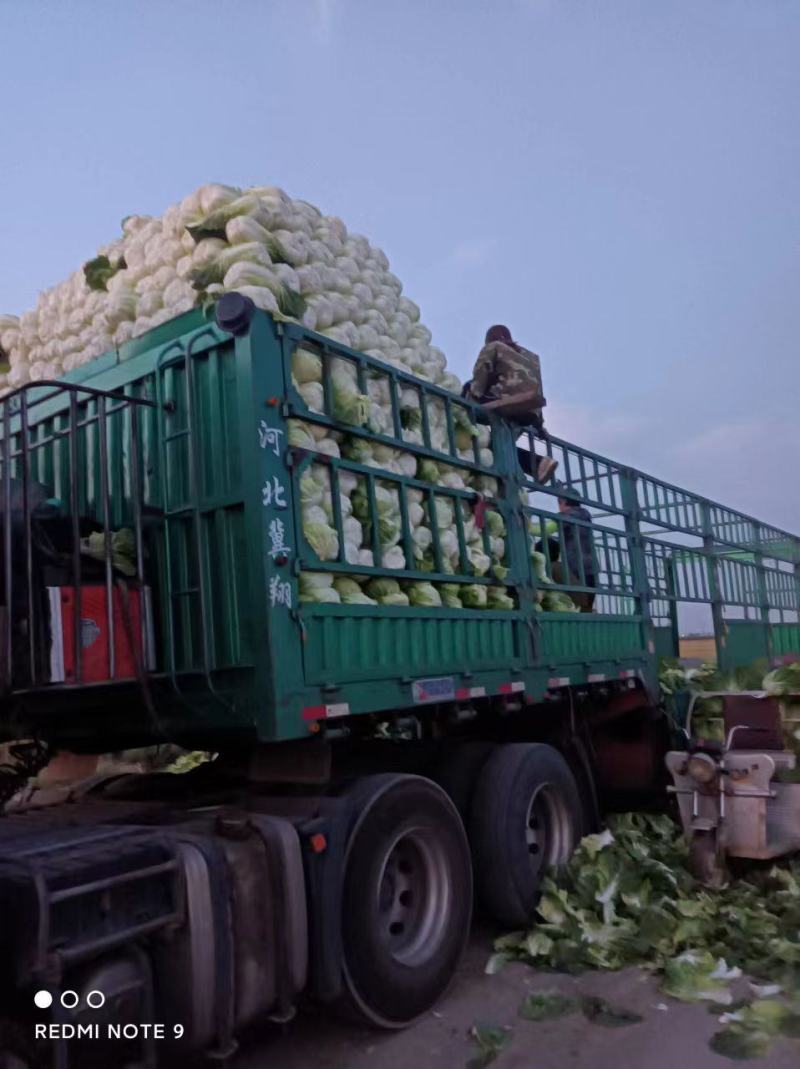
[618, 182]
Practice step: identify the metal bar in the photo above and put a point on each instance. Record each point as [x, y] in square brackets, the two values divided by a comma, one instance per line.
[397, 421]
[567, 472]
[614, 576]
[395, 573]
[433, 522]
[122, 878]
[336, 505]
[55, 436]
[176, 435]
[451, 432]
[762, 593]
[426, 426]
[7, 547]
[372, 505]
[136, 502]
[486, 538]
[629, 483]
[170, 408]
[463, 560]
[125, 935]
[26, 511]
[361, 376]
[74, 507]
[194, 482]
[612, 485]
[60, 387]
[531, 475]
[715, 579]
[582, 470]
[106, 509]
[702, 577]
[405, 527]
[327, 392]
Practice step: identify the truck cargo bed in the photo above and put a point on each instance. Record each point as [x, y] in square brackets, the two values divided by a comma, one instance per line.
[185, 436]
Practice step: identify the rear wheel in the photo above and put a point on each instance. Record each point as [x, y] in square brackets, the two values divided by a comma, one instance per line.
[526, 816]
[459, 769]
[407, 900]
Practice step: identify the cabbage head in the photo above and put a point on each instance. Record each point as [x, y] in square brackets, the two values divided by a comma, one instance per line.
[349, 404]
[317, 586]
[495, 523]
[323, 540]
[310, 490]
[345, 585]
[450, 595]
[300, 435]
[474, 596]
[306, 366]
[357, 599]
[498, 598]
[394, 558]
[379, 588]
[480, 561]
[359, 450]
[784, 680]
[558, 601]
[424, 594]
[395, 599]
[427, 471]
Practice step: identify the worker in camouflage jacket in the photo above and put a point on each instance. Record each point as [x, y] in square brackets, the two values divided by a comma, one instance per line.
[504, 368]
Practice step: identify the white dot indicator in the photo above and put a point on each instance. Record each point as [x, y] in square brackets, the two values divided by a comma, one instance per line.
[43, 999]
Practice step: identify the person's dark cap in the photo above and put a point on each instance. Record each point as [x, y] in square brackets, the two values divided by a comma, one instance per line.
[498, 333]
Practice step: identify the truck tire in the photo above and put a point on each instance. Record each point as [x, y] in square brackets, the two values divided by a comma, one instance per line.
[407, 899]
[526, 815]
[459, 769]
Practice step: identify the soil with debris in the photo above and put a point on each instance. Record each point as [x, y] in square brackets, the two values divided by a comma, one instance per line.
[670, 1034]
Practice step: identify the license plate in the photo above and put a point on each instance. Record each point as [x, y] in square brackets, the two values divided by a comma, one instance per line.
[433, 690]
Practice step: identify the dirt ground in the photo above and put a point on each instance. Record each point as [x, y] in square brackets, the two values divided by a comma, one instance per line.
[673, 1035]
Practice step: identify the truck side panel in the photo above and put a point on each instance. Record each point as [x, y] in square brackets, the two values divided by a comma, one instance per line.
[222, 525]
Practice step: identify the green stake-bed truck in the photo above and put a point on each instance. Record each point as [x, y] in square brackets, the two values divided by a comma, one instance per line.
[374, 761]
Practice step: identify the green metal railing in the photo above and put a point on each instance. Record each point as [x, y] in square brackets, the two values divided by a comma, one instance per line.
[212, 451]
[654, 545]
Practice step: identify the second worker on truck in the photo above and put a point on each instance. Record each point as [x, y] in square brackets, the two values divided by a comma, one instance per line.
[578, 552]
[504, 368]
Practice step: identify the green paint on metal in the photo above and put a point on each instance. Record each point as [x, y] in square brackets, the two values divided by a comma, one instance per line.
[346, 643]
[745, 642]
[238, 654]
[786, 639]
[664, 639]
[569, 638]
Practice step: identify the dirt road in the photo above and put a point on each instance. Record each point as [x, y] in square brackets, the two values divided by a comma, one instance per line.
[673, 1035]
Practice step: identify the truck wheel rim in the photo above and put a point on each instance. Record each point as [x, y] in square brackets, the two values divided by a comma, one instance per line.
[547, 828]
[413, 897]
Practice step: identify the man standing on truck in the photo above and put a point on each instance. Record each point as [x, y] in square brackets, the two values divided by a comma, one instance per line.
[578, 551]
[502, 370]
